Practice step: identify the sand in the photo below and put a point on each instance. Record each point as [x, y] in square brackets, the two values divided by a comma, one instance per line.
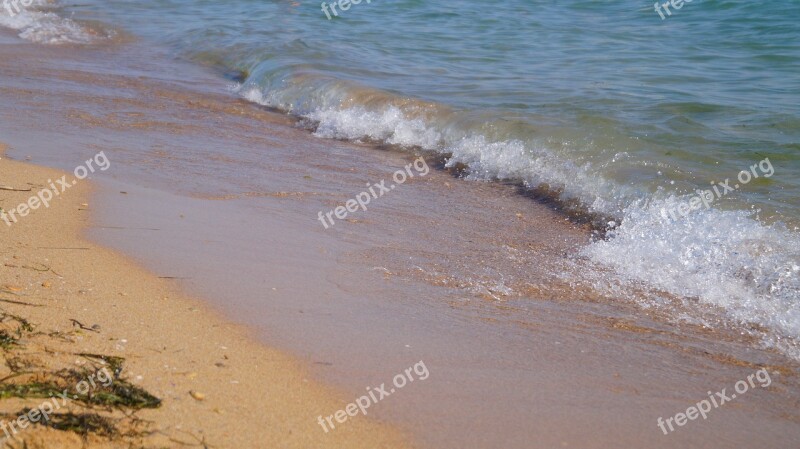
[218, 387]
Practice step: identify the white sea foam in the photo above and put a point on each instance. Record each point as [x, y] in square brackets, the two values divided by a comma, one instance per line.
[44, 27]
[723, 259]
[390, 126]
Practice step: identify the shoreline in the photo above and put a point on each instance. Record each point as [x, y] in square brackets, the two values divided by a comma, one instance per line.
[210, 375]
[414, 278]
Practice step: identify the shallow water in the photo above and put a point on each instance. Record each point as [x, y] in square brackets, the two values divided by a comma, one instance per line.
[605, 101]
[489, 288]
[603, 106]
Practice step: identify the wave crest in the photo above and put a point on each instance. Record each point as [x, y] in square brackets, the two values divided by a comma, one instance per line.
[722, 259]
[45, 27]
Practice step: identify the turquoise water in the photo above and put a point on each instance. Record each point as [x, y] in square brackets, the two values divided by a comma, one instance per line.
[602, 105]
[608, 87]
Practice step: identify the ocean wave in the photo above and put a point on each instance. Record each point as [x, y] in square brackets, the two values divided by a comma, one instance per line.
[724, 259]
[491, 149]
[45, 27]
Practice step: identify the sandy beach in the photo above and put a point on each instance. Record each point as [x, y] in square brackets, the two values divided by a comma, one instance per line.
[196, 269]
[88, 308]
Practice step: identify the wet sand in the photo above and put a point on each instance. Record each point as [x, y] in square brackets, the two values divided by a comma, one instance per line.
[484, 284]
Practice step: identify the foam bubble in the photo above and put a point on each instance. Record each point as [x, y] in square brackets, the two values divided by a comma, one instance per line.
[44, 27]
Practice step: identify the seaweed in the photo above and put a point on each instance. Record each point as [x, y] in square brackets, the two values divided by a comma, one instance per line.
[82, 424]
[119, 394]
[6, 340]
[115, 363]
[9, 337]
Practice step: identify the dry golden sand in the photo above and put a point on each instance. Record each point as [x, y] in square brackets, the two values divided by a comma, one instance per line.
[219, 388]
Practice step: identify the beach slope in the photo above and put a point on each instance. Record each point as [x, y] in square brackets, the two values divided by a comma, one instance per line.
[72, 311]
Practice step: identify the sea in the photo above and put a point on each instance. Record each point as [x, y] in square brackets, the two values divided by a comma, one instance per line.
[606, 111]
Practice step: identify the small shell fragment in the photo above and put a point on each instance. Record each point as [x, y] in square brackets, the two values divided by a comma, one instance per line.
[197, 395]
